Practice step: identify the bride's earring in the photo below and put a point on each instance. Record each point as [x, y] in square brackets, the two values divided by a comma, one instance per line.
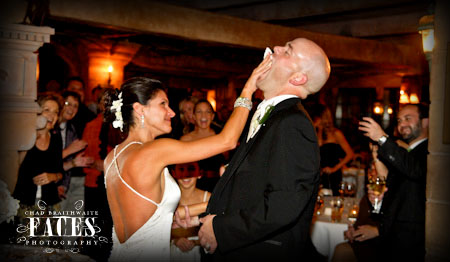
[142, 120]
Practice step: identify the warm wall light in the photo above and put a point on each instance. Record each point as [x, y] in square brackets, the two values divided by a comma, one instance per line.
[426, 29]
[211, 97]
[378, 108]
[404, 98]
[428, 40]
[110, 70]
[390, 111]
[413, 98]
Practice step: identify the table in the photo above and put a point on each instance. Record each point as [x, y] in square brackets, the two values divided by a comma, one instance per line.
[325, 234]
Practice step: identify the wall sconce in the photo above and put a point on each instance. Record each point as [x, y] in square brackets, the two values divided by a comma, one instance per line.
[390, 110]
[110, 70]
[378, 108]
[404, 98]
[426, 29]
[211, 97]
[413, 98]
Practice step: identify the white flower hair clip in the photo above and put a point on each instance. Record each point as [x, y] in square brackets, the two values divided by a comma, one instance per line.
[117, 106]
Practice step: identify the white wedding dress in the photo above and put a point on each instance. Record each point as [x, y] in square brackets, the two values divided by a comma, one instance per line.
[151, 242]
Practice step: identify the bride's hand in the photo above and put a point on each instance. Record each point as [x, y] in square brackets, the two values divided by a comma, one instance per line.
[250, 86]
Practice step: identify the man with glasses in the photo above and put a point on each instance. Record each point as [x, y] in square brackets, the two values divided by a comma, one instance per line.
[72, 185]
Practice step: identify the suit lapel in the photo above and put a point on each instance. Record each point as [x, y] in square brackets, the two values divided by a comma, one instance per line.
[245, 147]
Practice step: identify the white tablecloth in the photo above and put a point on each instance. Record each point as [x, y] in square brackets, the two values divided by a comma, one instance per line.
[325, 234]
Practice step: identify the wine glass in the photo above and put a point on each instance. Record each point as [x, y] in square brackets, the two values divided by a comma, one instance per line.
[350, 189]
[319, 204]
[377, 185]
[342, 187]
[337, 205]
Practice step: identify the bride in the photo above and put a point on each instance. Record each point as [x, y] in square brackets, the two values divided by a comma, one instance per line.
[142, 195]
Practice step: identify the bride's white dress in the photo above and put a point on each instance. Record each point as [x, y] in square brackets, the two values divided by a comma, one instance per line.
[151, 242]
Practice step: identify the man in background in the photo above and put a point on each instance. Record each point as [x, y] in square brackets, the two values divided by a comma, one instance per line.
[402, 227]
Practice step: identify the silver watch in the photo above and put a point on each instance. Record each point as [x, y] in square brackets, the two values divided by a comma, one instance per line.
[382, 140]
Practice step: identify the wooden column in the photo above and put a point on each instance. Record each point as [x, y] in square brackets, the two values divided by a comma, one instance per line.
[438, 178]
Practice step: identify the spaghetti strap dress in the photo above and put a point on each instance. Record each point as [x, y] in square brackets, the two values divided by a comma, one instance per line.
[151, 242]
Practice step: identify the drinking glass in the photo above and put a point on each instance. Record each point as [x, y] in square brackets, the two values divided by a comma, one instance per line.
[337, 206]
[377, 185]
[319, 204]
[350, 190]
[342, 187]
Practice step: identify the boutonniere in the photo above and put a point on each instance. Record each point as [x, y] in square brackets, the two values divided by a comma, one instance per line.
[266, 114]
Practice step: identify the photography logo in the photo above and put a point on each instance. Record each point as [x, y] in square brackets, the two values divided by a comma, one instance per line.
[68, 230]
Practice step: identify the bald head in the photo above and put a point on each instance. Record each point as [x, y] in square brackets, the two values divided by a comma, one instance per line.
[300, 67]
[314, 64]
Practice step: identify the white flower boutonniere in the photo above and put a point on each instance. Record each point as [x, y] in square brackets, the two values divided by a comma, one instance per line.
[117, 107]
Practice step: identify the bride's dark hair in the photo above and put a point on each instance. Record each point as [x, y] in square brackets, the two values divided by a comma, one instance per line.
[136, 89]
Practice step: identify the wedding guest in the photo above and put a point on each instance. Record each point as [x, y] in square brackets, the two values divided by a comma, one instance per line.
[182, 248]
[186, 107]
[96, 94]
[84, 115]
[72, 186]
[363, 236]
[402, 228]
[335, 151]
[203, 116]
[142, 195]
[42, 167]
[94, 185]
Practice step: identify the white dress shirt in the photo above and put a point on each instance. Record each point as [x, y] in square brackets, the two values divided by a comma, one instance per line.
[261, 110]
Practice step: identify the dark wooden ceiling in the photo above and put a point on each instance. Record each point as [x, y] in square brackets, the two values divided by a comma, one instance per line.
[393, 21]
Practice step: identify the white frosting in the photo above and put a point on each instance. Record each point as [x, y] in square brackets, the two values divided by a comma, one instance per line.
[267, 52]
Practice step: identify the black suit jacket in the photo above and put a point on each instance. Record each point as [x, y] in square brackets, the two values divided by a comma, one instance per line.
[403, 208]
[265, 200]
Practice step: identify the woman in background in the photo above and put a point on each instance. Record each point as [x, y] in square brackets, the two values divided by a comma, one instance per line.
[335, 151]
[41, 169]
[185, 245]
[203, 116]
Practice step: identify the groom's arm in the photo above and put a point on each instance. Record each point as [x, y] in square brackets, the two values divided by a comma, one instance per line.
[293, 170]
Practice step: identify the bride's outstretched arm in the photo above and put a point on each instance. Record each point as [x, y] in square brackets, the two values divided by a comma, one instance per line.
[171, 151]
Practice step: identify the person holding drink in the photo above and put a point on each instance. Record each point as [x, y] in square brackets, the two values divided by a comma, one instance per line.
[402, 214]
[184, 244]
[362, 233]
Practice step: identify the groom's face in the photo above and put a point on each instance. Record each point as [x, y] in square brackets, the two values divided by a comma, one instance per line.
[285, 62]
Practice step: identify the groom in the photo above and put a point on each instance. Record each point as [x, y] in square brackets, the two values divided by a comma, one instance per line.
[262, 206]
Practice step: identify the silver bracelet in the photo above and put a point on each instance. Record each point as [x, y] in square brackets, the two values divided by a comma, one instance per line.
[243, 102]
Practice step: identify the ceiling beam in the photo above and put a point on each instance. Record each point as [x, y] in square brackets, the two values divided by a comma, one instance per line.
[187, 64]
[158, 18]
